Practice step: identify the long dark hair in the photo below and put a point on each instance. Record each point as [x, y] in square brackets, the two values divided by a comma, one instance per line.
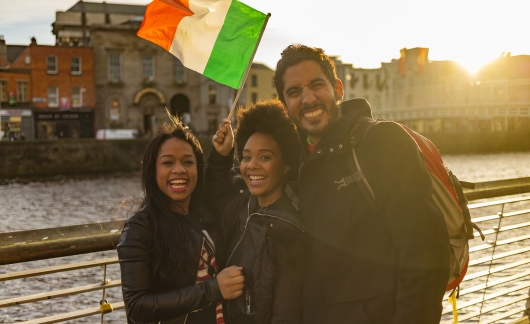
[171, 250]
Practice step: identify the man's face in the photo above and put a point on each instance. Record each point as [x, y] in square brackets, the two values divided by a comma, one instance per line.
[311, 100]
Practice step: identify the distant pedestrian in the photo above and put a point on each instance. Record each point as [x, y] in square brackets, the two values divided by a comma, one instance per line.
[167, 256]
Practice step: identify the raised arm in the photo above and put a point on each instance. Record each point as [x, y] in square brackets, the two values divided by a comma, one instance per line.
[222, 182]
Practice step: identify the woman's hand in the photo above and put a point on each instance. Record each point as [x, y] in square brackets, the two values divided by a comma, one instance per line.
[223, 140]
[231, 282]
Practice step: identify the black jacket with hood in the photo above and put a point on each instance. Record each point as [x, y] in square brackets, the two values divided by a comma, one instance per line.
[365, 266]
[268, 242]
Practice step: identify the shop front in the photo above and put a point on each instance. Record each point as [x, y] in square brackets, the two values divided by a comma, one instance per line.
[17, 124]
[64, 124]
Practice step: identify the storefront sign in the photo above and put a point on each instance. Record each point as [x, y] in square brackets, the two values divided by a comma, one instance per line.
[57, 116]
[15, 112]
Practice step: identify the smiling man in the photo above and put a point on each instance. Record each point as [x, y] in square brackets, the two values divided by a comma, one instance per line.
[387, 264]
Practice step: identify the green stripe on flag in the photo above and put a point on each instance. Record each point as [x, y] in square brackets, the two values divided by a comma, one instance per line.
[235, 44]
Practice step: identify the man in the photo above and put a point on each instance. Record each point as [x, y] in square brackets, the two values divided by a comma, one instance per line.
[367, 266]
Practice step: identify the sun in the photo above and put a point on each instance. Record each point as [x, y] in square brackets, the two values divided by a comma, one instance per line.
[473, 63]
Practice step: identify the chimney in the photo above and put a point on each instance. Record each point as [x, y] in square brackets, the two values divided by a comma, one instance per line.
[3, 46]
[33, 41]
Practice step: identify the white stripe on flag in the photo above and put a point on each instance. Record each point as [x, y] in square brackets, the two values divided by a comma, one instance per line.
[196, 35]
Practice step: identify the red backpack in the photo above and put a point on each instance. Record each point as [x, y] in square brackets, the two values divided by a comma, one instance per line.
[447, 194]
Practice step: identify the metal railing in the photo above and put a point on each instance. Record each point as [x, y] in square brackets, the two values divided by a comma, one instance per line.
[495, 288]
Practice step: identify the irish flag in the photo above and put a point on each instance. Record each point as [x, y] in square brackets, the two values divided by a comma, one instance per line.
[216, 38]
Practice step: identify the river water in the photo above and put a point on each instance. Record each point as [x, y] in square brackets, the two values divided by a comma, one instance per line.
[63, 201]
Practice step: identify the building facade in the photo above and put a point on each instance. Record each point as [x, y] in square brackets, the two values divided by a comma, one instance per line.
[46, 92]
[63, 91]
[442, 96]
[15, 85]
[137, 80]
[259, 84]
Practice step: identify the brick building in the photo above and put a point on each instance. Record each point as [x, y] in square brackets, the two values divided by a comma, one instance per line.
[63, 91]
[16, 109]
[47, 91]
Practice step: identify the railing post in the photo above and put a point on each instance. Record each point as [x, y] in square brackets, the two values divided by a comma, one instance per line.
[496, 229]
[104, 283]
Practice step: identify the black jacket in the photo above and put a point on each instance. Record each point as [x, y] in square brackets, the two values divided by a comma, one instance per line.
[154, 300]
[269, 243]
[372, 267]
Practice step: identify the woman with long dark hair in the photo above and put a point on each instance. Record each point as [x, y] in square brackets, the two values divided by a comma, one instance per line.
[260, 224]
[168, 260]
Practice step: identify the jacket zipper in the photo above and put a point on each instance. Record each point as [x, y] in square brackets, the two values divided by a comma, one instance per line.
[247, 299]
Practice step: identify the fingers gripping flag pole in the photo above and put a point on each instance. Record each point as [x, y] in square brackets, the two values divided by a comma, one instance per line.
[217, 38]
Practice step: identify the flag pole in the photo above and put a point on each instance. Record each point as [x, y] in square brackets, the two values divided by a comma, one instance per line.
[232, 110]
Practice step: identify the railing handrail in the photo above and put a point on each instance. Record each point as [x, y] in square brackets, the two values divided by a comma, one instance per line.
[103, 236]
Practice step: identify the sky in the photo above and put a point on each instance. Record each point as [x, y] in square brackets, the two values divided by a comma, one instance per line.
[363, 33]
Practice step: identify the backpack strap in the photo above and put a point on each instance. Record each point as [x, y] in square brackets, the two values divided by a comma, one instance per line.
[356, 136]
[465, 210]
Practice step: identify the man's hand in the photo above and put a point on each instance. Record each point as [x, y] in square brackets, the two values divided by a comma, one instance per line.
[231, 282]
[223, 140]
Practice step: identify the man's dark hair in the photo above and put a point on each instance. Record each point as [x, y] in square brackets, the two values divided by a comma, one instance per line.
[297, 53]
[268, 117]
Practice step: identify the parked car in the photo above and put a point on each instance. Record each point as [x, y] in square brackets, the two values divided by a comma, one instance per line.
[103, 134]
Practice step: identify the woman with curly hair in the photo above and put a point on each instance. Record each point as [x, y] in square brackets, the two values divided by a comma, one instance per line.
[260, 223]
[167, 258]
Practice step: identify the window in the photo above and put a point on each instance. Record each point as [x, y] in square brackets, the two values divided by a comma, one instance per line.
[148, 68]
[212, 94]
[3, 90]
[254, 81]
[179, 71]
[51, 64]
[27, 60]
[22, 87]
[77, 97]
[114, 67]
[75, 67]
[254, 97]
[53, 97]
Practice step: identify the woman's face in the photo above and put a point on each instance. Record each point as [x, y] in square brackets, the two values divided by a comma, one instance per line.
[263, 168]
[176, 173]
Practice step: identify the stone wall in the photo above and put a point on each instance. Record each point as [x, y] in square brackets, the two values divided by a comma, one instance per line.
[83, 156]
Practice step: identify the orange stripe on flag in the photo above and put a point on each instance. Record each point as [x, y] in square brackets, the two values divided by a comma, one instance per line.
[161, 21]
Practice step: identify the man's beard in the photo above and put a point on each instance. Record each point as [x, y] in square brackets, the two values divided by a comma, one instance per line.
[333, 113]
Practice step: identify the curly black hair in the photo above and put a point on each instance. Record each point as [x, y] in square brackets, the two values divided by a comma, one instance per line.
[269, 117]
[297, 53]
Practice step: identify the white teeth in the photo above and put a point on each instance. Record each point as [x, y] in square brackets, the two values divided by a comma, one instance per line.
[178, 184]
[314, 113]
[256, 178]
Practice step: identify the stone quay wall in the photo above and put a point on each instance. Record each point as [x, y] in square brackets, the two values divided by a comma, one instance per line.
[84, 156]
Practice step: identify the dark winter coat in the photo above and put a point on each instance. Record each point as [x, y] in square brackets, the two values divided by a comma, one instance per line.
[268, 242]
[158, 300]
[366, 267]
